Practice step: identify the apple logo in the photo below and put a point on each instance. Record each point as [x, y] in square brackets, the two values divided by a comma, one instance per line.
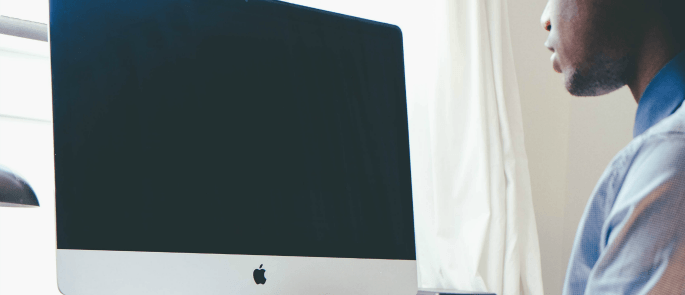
[258, 275]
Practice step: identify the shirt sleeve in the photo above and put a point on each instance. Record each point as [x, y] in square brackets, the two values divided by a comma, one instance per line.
[643, 238]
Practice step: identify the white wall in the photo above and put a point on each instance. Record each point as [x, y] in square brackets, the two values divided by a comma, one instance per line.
[569, 140]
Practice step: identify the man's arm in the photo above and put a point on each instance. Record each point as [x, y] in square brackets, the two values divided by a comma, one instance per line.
[643, 239]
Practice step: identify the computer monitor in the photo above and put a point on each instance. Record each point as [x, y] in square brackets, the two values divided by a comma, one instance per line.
[229, 147]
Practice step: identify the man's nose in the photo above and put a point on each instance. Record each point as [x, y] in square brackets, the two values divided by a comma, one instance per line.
[549, 46]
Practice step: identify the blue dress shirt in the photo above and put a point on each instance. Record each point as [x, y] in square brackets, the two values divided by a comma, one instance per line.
[631, 238]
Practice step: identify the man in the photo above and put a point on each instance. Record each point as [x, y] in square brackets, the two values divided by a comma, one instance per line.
[631, 238]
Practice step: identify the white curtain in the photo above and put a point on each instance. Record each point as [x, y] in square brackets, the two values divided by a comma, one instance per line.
[474, 212]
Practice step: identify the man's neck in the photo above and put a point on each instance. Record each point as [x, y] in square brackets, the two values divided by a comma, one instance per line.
[655, 51]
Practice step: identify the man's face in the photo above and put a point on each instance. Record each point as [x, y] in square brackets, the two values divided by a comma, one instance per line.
[591, 43]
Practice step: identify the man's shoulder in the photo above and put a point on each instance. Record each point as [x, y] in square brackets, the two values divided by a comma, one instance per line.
[651, 169]
[665, 139]
[662, 145]
[671, 126]
[656, 154]
[660, 148]
[654, 160]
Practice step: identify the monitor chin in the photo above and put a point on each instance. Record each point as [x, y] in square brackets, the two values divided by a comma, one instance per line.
[82, 272]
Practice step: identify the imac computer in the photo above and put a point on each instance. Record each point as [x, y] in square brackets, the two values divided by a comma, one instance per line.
[229, 147]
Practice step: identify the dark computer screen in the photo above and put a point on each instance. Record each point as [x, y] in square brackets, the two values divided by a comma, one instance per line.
[232, 127]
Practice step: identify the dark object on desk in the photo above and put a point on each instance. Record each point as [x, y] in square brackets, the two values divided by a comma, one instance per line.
[15, 191]
[450, 292]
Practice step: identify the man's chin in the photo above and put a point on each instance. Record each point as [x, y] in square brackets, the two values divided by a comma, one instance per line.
[590, 85]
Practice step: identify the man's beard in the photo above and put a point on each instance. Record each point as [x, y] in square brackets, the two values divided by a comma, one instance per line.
[601, 76]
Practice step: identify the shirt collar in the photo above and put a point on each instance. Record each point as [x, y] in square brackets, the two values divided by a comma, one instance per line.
[663, 95]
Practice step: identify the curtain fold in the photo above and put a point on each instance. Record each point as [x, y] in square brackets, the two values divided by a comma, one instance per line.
[475, 223]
